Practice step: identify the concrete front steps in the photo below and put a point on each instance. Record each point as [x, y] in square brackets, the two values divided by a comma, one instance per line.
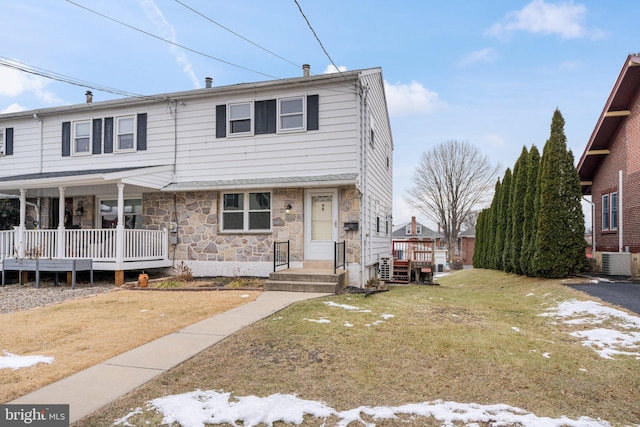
[314, 277]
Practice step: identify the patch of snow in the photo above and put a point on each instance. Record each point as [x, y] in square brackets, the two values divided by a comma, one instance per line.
[144, 310]
[345, 306]
[607, 342]
[529, 295]
[387, 316]
[124, 421]
[515, 328]
[244, 296]
[546, 355]
[14, 361]
[348, 325]
[197, 408]
[321, 320]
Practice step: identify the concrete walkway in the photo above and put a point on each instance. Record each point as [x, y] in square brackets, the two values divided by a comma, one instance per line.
[89, 390]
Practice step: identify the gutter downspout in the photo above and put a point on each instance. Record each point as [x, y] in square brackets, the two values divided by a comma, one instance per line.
[620, 215]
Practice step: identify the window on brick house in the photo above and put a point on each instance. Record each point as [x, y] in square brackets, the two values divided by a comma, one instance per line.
[610, 211]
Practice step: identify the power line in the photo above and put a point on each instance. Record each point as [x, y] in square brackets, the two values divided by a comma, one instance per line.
[20, 66]
[171, 42]
[317, 38]
[236, 34]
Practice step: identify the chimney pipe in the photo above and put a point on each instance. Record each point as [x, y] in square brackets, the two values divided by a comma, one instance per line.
[89, 96]
[305, 70]
[413, 226]
[207, 82]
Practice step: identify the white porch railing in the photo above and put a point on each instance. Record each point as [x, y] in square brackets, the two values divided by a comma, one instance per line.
[101, 245]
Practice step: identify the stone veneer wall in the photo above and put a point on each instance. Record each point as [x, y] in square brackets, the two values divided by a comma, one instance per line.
[350, 208]
[199, 237]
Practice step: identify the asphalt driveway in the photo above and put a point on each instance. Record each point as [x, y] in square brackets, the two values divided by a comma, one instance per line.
[620, 292]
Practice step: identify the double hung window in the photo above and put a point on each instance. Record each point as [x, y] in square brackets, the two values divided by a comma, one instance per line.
[240, 119]
[82, 137]
[610, 211]
[249, 211]
[125, 133]
[291, 113]
[2, 144]
[132, 213]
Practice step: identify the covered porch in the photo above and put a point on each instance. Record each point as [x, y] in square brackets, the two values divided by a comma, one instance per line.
[125, 245]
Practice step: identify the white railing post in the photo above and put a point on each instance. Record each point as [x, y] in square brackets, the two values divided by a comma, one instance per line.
[59, 253]
[120, 228]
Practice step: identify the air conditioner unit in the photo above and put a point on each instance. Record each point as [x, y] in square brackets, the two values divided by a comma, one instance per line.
[386, 268]
[616, 263]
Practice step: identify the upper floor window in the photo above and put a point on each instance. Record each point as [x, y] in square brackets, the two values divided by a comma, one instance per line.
[82, 137]
[291, 113]
[268, 116]
[240, 118]
[418, 229]
[249, 211]
[125, 133]
[2, 149]
[610, 211]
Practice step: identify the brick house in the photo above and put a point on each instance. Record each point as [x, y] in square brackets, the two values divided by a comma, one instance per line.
[609, 169]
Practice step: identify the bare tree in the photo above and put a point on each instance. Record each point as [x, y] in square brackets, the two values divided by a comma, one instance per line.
[451, 180]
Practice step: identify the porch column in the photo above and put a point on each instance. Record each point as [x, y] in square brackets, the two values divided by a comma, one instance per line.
[19, 238]
[119, 279]
[60, 233]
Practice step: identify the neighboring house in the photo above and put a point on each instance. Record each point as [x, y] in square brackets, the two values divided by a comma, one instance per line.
[415, 230]
[212, 177]
[466, 245]
[609, 170]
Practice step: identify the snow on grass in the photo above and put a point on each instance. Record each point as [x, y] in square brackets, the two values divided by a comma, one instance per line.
[321, 320]
[346, 307]
[14, 361]
[197, 408]
[607, 342]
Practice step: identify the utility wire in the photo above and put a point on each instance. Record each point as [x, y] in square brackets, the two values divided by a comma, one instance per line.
[236, 34]
[316, 36]
[20, 66]
[171, 42]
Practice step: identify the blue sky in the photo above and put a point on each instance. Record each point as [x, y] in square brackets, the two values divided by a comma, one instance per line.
[487, 72]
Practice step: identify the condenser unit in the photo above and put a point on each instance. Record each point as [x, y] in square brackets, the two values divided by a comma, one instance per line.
[386, 268]
[616, 263]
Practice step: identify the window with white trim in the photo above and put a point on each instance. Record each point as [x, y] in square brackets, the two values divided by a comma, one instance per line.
[2, 145]
[291, 113]
[125, 133]
[82, 137]
[240, 117]
[610, 211]
[247, 211]
[108, 214]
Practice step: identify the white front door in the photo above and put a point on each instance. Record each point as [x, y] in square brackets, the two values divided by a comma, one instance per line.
[321, 224]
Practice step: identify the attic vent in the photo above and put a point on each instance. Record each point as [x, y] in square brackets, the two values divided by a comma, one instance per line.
[616, 263]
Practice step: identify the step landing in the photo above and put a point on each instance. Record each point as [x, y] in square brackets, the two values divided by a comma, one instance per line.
[321, 280]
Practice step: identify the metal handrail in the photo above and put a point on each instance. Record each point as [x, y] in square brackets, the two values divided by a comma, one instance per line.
[280, 254]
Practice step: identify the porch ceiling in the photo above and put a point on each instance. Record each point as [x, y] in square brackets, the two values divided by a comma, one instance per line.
[153, 177]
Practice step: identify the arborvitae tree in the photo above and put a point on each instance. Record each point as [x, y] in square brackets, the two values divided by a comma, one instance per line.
[529, 223]
[559, 245]
[493, 227]
[506, 253]
[503, 214]
[517, 209]
[479, 249]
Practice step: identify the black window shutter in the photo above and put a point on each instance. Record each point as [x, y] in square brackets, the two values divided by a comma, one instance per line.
[221, 121]
[97, 136]
[312, 112]
[265, 113]
[8, 141]
[66, 139]
[142, 131]
[108, 135]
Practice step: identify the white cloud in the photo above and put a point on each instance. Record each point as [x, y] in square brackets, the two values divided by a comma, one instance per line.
[155, 14]
[496, 140]
[411, 99]
[483, 55]
[13, 108]
[332, 69]
[565, 18]
[14, 83]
